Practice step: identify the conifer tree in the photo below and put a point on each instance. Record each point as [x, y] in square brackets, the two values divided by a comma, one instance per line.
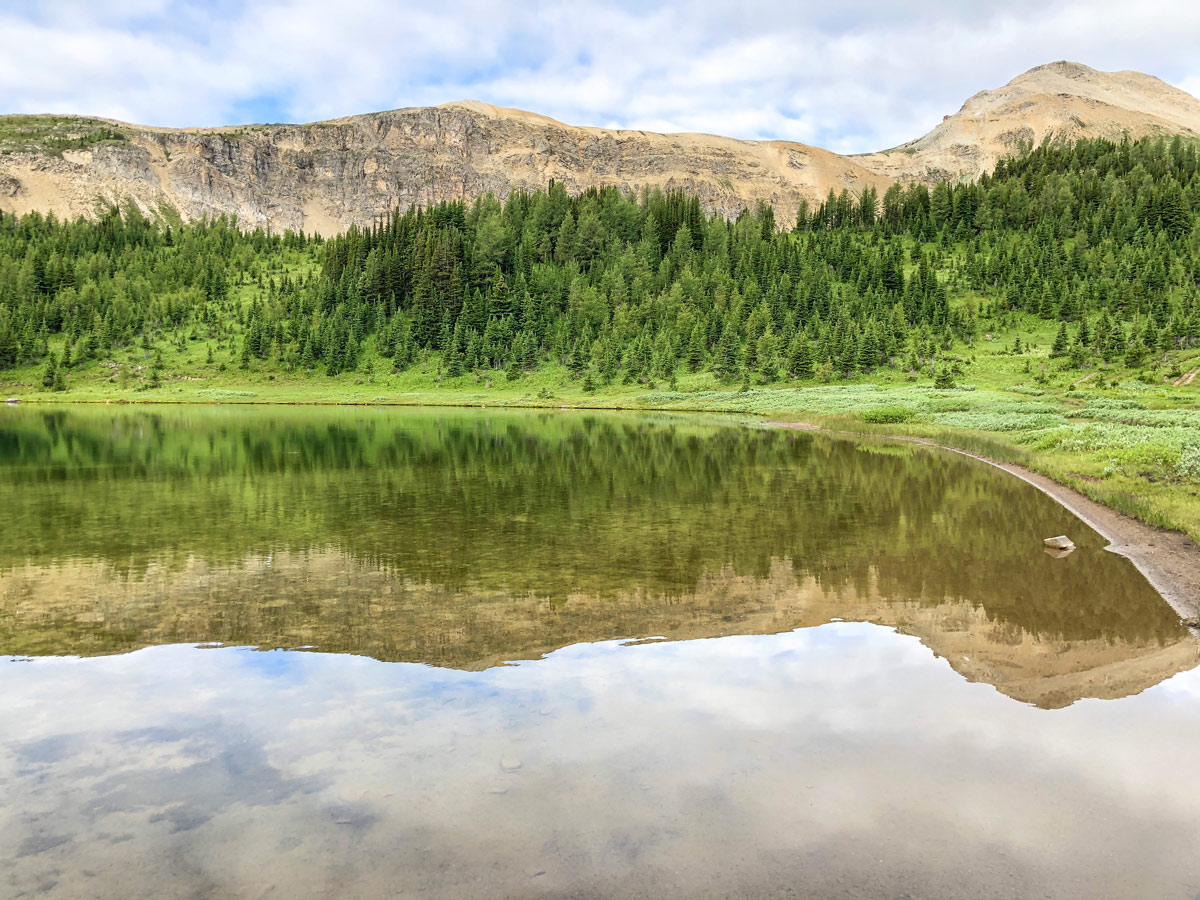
[727, 362]
[800, 357]
[1060, 341]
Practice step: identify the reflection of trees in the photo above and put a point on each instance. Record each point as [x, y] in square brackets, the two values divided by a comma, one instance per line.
[554, 504]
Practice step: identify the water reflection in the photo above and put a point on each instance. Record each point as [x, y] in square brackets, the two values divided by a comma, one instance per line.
[839, 761]
[463, 538]
[329, 601]
[757, 747]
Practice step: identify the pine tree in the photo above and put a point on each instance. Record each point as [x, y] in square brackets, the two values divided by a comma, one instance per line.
[1084, 336]
[800, 363]
[697, 348]
[1060, 341]
[727, 363]
[1135, 354]
[768, 363]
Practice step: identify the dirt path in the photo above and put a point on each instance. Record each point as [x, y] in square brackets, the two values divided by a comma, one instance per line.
[1169, 560]
[1186, 379]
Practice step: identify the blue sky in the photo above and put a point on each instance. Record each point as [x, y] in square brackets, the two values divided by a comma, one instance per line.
[854, 76]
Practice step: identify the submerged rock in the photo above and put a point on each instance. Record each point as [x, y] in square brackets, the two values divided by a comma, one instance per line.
[1062, 542]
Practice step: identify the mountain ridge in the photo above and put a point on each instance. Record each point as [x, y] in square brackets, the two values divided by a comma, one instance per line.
[326, 176]
[1062, 100]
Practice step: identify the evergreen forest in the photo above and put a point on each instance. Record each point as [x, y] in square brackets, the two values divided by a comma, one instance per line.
[1097, 239]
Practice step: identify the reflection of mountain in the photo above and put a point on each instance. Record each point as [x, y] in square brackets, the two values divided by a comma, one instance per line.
[330, 602]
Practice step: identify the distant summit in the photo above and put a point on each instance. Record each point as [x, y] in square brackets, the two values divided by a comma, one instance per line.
[1065, 100]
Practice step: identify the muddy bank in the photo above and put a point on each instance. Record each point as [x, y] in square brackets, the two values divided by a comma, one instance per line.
[1169, 560]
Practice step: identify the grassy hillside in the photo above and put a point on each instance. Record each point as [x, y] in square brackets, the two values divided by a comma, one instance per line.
[54, 134]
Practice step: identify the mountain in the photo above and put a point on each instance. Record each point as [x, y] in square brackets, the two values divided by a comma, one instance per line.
[1062, 100]
[326, 176]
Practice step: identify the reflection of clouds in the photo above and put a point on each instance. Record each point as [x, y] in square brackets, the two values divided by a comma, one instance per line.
[844, 758]
[1185, 683]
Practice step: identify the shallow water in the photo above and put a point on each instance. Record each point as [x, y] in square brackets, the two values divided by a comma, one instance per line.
[987, 721]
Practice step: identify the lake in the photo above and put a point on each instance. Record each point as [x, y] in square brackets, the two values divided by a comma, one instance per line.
[251, 652]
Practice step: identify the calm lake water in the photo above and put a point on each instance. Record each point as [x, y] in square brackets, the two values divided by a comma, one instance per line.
[377, 653]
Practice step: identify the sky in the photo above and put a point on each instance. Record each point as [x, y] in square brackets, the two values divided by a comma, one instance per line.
[853, 76]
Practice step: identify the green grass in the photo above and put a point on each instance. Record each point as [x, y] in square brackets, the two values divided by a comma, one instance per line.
[1128, 439]
[54, 134]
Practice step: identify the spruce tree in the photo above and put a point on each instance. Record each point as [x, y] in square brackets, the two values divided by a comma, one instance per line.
[1060, 341]
[697, 348]
[727, 363]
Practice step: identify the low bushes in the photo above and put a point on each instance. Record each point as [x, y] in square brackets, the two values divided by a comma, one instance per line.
[889, 415]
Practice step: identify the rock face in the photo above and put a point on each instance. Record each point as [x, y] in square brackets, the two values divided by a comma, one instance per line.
[1063, 100]
[326, 176]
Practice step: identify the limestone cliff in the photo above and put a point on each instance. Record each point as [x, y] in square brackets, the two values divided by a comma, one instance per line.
[326, 176]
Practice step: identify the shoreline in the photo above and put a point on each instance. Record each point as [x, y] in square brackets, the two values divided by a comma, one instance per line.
[1169, 560]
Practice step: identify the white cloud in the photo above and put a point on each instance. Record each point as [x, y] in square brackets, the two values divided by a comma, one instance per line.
[286, 769]
[856, 77]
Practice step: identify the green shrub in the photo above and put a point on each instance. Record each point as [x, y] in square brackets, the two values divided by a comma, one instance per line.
[888, 415]
[999, 421]
[1188, 467]
[1137, 414]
